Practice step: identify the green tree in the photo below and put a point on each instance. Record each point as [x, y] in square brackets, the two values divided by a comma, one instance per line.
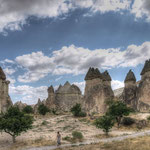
[118, 110]
[28, 109]
[105, 122]
[77, 111]
[42, 109]
[14, 122]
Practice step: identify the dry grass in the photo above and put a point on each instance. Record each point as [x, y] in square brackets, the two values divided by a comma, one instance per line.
[35, 143]
[141, 143]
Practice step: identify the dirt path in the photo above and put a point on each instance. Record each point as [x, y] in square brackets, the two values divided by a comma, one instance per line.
[119, 138]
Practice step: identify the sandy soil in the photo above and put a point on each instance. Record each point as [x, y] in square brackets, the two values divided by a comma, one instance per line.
[45, 129]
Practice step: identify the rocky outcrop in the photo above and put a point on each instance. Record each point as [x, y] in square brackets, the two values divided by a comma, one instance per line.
[97, 91]
[67, 96]
[5, 101]
[129, 95]
[50, 101]
[20, 105]
[64, 98]
[144, 89]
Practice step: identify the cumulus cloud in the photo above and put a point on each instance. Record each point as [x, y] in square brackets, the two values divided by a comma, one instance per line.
[81, 85]
[9, 71]
[28, 94]
[37, 65]
[14, 13]
[141, 8]
[76, 60]
[116, 84]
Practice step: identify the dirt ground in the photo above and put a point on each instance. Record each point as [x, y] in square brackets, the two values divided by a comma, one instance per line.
[45, 129]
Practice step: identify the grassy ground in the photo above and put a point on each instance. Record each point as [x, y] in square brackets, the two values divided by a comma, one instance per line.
[141, 143]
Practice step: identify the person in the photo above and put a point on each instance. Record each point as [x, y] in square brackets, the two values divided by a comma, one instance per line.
[58, 139]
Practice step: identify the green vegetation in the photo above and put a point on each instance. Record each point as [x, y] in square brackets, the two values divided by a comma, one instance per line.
[44, 123]
[127, 121]
[14, 122]
[42, 109]
[118, 110]
[28, 109]
[77, 135]
[105, 122]
[148, 118]
[77, 111]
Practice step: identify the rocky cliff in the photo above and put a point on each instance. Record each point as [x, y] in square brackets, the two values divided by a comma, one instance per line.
[64, 98]
[144, 89]
[5, 101]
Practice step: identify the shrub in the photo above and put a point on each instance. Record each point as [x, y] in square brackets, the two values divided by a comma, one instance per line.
[148, 118]
[127, 121]
[77, 111]
[77, 135]
[42, 109]
[44, 123]
[28, 109]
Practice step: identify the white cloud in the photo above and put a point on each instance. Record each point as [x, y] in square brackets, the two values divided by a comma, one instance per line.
[9, 71]
[76, 60]
[37, 66]
[141, 8]
[81, 85]
[14, 13]
[28, 94]
[116, 84]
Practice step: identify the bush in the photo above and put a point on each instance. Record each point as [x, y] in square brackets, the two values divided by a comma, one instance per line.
[77, 135]
[148, 118]
[42, 109]
[28, 109]
[127, 121]
[82, 114]
[77, 111]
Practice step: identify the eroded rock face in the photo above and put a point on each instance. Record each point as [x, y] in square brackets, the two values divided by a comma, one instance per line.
[144, 89]
[5, 101]
[20, 105]
[129, 95]
[97, 91]
[64, 98]
[67, 96]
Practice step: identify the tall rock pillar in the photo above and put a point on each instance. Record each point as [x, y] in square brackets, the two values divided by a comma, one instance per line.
[130, 91]
[5, 101]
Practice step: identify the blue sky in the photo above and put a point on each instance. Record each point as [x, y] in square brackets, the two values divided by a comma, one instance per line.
[49, 42]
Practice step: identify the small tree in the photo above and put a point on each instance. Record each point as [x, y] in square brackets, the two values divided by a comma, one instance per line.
[28, 109]
[105, 122]
[14, 122]
[77, 111]
[118, 110]
[42, 109]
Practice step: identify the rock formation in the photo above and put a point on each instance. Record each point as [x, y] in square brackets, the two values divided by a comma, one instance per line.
[144, 89]
[97, 91]
[129, 95]
[5, 101]
[64, 98]
[20, 105]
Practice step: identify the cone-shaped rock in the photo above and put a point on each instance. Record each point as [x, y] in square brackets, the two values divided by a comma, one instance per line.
[146, 67]
[51, 89]
[106, 76]
[2, 74]
[130, 77]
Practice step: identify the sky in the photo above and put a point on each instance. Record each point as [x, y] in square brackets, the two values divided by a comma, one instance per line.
[49, 42]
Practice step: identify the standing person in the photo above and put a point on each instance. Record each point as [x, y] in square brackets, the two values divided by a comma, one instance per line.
[58, 139]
